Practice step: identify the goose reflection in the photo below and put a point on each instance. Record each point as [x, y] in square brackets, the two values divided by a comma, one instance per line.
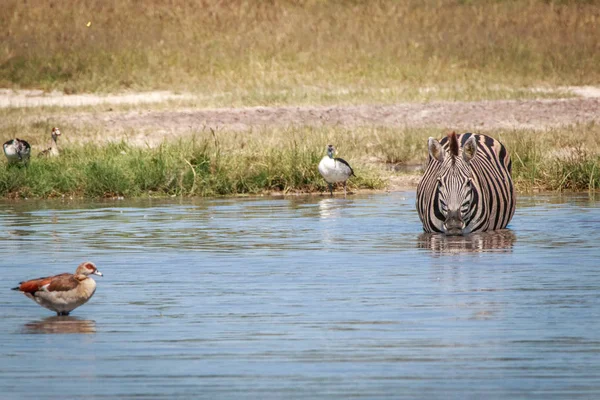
[501, 241]
[20, 232]
[331, 208]
[61, 324]
[331, 213]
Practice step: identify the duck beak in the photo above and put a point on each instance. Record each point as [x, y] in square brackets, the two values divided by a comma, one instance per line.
[96, 272]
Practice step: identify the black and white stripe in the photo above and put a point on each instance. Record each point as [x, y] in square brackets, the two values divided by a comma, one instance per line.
[467, 185]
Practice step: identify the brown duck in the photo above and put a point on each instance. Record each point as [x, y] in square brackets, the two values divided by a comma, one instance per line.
[64, 292]
[53, 150]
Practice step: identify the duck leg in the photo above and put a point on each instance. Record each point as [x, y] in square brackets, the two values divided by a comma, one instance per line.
[330, 188]
[344, 189]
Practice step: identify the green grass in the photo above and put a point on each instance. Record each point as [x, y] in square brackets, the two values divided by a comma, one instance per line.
[195, 168]
[309, 51]
[556, 159]
[285, 161]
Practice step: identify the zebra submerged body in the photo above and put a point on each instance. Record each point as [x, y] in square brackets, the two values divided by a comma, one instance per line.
[467, 185]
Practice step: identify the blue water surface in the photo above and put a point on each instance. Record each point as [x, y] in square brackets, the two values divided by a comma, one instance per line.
[302, 297]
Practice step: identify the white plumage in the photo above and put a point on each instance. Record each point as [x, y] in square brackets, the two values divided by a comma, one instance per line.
[17, 150]
[334, 170]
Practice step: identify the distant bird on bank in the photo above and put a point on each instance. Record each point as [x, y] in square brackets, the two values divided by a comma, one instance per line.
[53, 150]
[62, 293]
[334, 170]
[17, 150]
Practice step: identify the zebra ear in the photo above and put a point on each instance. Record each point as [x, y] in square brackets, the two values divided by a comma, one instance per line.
[469, 149]
[435, 149]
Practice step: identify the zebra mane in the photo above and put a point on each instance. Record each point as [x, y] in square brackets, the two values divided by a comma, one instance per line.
[453, 145]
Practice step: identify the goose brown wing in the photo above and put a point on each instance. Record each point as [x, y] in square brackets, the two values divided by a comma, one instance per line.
[33, 285]
[346, 164]
[44, 152]
[63, 283]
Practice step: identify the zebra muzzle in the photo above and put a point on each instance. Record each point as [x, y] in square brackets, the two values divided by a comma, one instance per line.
[454, 224]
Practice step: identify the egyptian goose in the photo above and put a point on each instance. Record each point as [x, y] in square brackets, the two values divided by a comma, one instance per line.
[17, 150]
[62, 293]
[334, 170]
[53, 150]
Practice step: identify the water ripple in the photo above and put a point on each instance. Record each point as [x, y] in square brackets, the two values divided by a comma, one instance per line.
[301, 297]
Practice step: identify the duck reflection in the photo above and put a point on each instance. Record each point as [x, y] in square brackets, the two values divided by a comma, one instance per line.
[501, 240]
[61, 324]
[331, 213]
[331, 208]
[20, 232]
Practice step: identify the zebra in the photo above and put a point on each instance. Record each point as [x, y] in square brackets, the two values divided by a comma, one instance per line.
[467, 185]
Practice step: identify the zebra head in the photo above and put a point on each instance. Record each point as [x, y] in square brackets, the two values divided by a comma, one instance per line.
[455, 191]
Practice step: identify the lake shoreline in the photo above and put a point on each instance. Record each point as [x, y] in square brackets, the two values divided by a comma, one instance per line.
[175, 149]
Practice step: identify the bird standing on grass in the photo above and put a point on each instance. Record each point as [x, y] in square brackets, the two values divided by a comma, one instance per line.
[334, 170]
[53, 150]
[64, 292]
[17, 150]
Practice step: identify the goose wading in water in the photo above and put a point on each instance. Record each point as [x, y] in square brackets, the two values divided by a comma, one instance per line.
[334, 170]
[64, 292]
[53, 150]
[17, 150]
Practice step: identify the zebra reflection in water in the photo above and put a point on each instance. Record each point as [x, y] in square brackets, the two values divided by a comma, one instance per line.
[499, 241]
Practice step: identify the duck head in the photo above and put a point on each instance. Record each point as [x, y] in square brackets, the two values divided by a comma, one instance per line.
[55, 133]
[330, 150]
[87, 268]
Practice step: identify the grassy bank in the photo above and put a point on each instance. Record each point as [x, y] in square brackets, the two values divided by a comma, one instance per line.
[285, 160]
[556, 159]
[282, 51]
[190, 168]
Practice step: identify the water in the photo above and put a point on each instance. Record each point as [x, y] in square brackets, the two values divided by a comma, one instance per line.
[306, 297]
